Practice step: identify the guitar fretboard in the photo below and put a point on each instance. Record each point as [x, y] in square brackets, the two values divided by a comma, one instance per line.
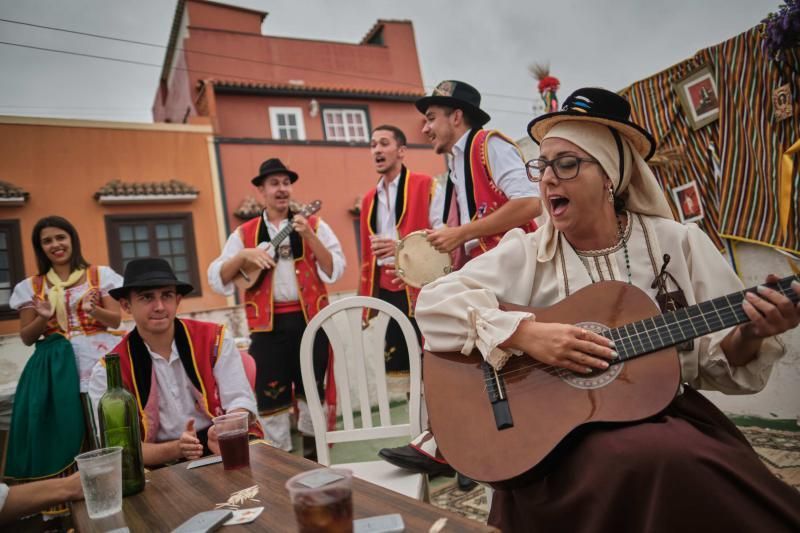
[659, 332]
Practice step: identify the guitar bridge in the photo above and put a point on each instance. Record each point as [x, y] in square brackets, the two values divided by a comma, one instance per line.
[496, 389]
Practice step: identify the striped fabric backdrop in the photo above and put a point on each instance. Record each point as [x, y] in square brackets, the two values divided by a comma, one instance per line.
[740, 192]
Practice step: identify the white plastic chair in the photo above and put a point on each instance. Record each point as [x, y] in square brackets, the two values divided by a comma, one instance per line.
[351, 342]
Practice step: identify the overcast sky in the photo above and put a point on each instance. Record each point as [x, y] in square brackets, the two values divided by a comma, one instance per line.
[490, 44]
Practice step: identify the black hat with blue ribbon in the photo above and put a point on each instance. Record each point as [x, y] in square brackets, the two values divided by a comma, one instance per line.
[600, 106]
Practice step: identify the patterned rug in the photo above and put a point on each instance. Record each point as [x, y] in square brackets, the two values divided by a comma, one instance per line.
[780, 451]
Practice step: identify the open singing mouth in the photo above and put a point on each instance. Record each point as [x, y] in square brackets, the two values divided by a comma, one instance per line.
[558, 204]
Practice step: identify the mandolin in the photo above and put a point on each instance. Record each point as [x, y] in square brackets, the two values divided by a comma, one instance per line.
[496, 426]
[251, 275]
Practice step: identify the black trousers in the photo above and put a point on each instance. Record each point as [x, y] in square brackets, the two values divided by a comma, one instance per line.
[277, 356]
[395, 350]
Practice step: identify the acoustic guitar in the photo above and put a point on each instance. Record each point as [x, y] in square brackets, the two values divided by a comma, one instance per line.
[250, 274]
[496, 426]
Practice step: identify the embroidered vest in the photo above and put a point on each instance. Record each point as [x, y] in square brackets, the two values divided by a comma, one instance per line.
[483, 196]
[87, 324]
[412, 208]
[199, 344]
[258, 301]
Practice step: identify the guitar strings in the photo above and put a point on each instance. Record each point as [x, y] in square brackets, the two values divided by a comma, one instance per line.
[725, 313]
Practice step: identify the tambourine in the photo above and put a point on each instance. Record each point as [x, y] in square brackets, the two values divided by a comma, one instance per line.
[418, 263]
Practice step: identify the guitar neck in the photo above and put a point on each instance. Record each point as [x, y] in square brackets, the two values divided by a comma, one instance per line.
[662, 331]
[282, 234]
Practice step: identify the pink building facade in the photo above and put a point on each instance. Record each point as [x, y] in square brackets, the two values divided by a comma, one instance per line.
[310, 103]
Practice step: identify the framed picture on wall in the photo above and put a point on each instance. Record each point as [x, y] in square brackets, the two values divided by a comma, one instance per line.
[687, 198]
[699, 98]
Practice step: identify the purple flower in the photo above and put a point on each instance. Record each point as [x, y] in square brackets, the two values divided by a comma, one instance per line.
[781, 30]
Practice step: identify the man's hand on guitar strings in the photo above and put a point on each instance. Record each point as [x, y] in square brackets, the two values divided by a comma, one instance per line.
[562, 345]
[300, 225]
[259, 257]
[770, 312]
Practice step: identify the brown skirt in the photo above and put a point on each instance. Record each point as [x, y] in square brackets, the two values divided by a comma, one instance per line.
[687, 469]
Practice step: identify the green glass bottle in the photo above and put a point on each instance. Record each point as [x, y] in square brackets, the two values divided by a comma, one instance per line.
[119, 426]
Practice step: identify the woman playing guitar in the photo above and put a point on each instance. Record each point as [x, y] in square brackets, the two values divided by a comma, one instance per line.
[679, 466]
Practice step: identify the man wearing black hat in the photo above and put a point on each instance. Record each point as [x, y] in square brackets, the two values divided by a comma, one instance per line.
[488, 193]
[182, 372]
[291, 291]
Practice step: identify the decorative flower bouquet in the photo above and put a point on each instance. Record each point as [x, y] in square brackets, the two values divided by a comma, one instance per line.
[781, 30]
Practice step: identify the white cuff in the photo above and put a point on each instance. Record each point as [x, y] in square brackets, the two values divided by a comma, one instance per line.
[489, 328]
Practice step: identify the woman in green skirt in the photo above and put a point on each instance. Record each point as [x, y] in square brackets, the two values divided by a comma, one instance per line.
[65, 310]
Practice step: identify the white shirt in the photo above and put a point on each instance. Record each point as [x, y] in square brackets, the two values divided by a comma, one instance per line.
[88, 348]
[387, 218]
[508, 173]
[284, 279]
[175, 390]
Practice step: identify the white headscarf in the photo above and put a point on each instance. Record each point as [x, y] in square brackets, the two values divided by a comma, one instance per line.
[645, 196]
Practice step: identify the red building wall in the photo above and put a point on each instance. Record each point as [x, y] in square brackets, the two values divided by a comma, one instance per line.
[235, 75]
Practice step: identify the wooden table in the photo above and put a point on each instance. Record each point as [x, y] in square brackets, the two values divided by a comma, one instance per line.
[174, 494]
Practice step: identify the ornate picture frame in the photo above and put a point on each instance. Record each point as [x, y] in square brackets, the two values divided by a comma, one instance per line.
[699, 97]
[689, 202]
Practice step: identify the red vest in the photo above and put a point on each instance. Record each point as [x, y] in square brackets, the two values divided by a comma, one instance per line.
[483, 196]
[205, 343]
[259, 304]
[88, 325]
[414, 194]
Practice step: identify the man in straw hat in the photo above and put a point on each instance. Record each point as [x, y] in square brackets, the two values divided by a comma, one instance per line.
[686, 468]
[292, 290]
[487, 194]
[402, 202]
[182, 372]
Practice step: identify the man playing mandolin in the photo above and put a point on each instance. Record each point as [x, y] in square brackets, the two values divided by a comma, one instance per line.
[681, 467]
[279, 305]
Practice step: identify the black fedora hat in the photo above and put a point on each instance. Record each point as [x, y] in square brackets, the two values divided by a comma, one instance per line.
[601, 106]
[453, 93]
[149, 272]
[273, 166]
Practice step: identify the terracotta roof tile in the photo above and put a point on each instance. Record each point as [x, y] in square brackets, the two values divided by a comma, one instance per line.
[290, 87]
[124, 192]
[9, 190]
[147, 188]
[250, 207]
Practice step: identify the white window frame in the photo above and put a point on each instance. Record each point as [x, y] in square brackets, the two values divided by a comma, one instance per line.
[344, 113]
[297, 112]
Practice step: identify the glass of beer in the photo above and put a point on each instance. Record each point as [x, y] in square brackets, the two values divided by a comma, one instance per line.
[322, 500]
[232, 436]
[101, 478]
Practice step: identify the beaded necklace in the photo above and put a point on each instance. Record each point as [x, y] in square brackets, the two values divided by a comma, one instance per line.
[620, 240]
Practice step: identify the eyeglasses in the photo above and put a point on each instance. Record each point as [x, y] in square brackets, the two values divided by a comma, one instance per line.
[565, 167]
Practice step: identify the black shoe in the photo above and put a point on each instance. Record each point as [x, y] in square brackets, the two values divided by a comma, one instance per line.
[464, 483]
[310, 448]
[411, 459]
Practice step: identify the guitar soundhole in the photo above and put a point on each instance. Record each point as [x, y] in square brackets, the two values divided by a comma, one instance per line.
[597, 378]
